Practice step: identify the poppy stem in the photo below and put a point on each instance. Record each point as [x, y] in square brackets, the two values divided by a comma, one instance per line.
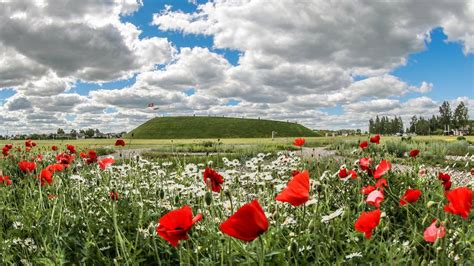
[261, 259]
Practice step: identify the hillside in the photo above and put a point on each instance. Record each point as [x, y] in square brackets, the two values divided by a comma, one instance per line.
[190, 127]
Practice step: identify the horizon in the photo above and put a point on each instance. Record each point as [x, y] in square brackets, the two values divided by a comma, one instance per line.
[94, 64]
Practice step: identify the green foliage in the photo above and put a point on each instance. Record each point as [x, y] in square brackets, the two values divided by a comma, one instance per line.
[216, 127]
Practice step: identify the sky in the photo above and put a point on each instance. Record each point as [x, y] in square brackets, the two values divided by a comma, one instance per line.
[325, 64]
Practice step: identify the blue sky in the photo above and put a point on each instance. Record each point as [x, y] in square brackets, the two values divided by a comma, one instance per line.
[296, 61]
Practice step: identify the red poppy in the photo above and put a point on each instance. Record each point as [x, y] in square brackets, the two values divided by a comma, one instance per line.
[54, 148]
[297, 190]
[375, 198]
[364, 144]
[83, 155]
[113, 195]
[367, 222]
[120, 142]
[382, 169]
[71, 148]
[28, 143]
[46, 176]
[64, 159]
[299, 142]
[91, 157]
[353, 174]
[213, 179]
[375, 139]
[444, 177]
[295, 172]
[5, 151]
[343, 173]
[447, 185]
[174, 226]
[367, 189]
[414, 153]
[247, 223]
[9, 146]
[106, 162]
[410, 196]
[460, 201]
[55, 167]
[433, 232]
[472, 171]
[381, 183]
[5, 180]
[33, 144]
[364, 163]
[26, 166]
[39, 158]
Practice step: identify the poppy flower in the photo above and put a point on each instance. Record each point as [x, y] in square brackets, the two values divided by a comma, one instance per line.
[106, 162]
[91, 157]
[71, 148]
[120, 142]
[460, 201]
[5, 180]
[375, 198]
[472, 171]
[414, 153]
[113, 195]
[410, 196]
[364, 163]
[54, 148]
[174, 225]
[447, 185]
[26, 166]
[381, 183]
[364, 144]
[28, 143]
[299, 142]
[353, 174]
[83, 155]
[297, 190]
[382, 169]
[247, 223]
[433, 232]
[46, 176]
[5, 151]
[367, 189]
[367, 222]
[343, 173]
[65, 159]
[375, 139]
[55, 167]
[444, 177]
[213, 179]
[9, 146]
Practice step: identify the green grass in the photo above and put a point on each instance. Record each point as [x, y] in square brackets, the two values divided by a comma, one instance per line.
[185, 127]
[81, 225]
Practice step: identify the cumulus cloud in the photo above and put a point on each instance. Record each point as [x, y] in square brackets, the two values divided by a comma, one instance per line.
[296, 58]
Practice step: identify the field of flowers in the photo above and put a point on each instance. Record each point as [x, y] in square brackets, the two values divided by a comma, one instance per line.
[66, 205]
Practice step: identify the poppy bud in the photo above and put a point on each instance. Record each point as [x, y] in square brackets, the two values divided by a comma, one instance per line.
[430, 203]
[161, 194]
[208, 198]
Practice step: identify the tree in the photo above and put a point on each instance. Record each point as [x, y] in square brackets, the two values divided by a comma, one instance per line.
[371, 126]
[460, 116]
[89, 132]
[73, 133]
[413, 123]
[60, 131]
[445, 115]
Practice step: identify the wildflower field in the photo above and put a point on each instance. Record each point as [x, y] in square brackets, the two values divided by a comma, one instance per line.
[65, 204]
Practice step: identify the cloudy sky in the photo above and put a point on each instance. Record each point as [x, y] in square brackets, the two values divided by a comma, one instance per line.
[325, 64]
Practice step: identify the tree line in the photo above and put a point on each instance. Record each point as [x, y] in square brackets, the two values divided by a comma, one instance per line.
[446, 122]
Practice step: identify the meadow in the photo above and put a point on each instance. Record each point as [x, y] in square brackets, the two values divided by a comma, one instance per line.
[250, 201]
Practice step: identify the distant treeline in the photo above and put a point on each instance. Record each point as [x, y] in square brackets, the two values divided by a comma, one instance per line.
[447, 122]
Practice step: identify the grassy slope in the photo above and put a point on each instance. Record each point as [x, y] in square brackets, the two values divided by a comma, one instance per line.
[188, 127]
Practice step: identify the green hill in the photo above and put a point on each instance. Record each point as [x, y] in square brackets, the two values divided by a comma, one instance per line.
[190, 127]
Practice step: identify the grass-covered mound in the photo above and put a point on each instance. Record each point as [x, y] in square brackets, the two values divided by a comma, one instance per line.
[189, 127]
